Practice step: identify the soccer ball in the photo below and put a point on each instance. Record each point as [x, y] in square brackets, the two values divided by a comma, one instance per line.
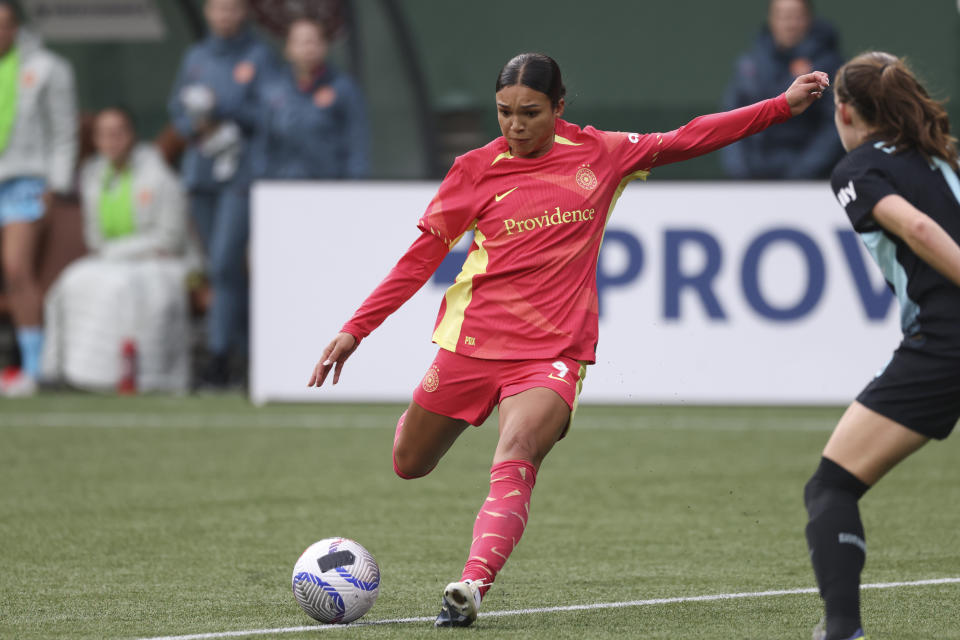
[336, 580]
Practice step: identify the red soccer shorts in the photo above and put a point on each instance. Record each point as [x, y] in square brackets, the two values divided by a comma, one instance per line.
[468, 388]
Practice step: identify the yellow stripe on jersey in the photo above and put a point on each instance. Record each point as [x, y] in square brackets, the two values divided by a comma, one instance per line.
[506, 155]
[636, 175]
[562, 140]
[459, 295]
[581, 374]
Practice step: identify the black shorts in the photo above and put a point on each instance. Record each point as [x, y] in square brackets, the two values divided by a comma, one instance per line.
[919, 389]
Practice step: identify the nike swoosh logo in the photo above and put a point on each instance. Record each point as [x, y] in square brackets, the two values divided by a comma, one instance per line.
[503, 195]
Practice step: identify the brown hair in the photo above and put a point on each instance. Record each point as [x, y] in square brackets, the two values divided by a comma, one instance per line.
[320, 25]
[808, 5]
[888, 95]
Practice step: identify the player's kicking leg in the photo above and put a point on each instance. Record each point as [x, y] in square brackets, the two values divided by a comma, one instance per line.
[421, 439]
[531, 422]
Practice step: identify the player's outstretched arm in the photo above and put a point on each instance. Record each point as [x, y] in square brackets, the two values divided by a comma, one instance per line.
[334, 356]
[921, 233]
[410, 273]
[806, 90]
[716, 130]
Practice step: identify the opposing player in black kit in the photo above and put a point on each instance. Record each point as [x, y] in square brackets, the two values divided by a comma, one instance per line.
[900, 188]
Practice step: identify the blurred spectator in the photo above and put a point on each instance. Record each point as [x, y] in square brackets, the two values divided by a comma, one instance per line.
[213, 105]
[37, 152]
[792, 43]
[313, 121]
[131, 288]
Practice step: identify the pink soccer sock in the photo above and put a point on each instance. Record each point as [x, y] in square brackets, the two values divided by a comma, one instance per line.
[501, 520]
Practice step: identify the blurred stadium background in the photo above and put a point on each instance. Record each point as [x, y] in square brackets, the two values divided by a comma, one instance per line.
[428, 66]
[130, 517]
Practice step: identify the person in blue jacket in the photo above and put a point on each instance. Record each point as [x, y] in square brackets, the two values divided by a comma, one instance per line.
[313, 120]
[792, 43]
[213, 106]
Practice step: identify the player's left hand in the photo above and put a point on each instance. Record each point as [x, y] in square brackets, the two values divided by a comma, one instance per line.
[805, 90]
[334, 356]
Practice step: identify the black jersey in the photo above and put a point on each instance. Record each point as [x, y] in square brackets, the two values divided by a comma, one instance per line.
[929, 302]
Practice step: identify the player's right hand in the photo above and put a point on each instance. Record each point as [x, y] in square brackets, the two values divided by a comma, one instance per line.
[336, 353]
[806, 90]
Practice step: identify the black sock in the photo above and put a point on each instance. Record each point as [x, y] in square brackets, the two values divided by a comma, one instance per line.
[837, 545]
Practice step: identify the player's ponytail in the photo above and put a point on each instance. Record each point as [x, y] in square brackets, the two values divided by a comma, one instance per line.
[537, 71]
[888, 96]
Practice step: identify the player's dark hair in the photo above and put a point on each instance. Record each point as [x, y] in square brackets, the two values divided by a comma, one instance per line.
[536, 71]
[888, 96]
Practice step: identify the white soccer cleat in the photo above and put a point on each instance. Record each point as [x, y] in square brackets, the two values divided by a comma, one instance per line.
[460, 604]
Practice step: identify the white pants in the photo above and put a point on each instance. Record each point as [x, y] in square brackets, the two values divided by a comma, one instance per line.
[98, 303]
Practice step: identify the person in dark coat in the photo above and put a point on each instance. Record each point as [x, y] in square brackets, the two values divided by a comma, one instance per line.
[313, 119]
[210, 106]
[793, 42]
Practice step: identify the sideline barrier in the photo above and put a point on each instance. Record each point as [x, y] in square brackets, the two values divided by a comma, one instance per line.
[710, 293]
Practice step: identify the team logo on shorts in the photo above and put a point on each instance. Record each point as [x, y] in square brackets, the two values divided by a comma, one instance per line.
[586, 178]
[432, 380]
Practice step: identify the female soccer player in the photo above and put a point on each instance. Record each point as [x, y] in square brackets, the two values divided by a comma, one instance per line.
[519, 325]
[900, 189]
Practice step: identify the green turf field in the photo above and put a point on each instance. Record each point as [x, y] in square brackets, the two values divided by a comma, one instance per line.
[145, 517]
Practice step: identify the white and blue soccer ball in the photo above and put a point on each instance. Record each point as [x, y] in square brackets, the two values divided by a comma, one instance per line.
[336, 581]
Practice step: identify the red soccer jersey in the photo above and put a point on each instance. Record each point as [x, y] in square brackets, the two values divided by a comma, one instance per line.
[528, 286]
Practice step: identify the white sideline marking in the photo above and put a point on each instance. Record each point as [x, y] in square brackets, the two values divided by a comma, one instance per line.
[321, 420]
[574, 607]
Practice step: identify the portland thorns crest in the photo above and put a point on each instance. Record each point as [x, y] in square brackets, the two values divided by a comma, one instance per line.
[586, 178]
[432, 380]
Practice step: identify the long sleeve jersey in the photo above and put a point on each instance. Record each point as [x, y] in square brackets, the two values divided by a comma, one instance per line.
[528, 287]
